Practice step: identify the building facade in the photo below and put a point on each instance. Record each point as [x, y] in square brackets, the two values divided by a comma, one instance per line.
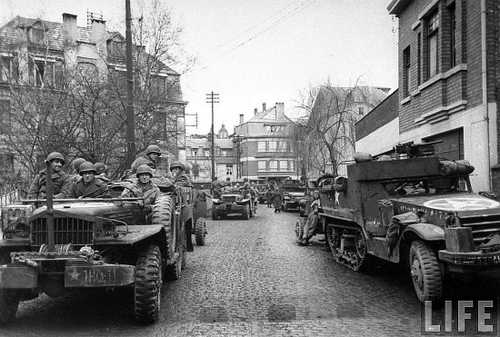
[198, 154]
[264, 147]
[449, 53]
[40, 53]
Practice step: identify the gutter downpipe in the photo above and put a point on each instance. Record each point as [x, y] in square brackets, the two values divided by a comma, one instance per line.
[484, 83]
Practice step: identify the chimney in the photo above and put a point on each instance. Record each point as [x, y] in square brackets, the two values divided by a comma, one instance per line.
[280, 109]
[263, 107]
[70, 30]
[98, 35]
[255, 111]
[241, 118]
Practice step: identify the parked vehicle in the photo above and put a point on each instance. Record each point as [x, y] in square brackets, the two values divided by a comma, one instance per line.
[293, 193]
[420, 212]
[55, 246]
[233, 202]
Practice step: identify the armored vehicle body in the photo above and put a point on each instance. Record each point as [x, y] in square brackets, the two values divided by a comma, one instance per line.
[55, 246]
[420, 212]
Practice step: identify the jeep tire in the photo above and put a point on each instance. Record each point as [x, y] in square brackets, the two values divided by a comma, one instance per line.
[9, 301]
[246, 213]
[200, 231]
[161, 215]
[425, 272]
[147, 287]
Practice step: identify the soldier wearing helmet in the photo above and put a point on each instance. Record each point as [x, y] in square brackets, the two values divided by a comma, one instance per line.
[179, 176]
[144, 188]
[150, 157]
[61, 181]
[102, 171]
[88, 186]
[75, 166]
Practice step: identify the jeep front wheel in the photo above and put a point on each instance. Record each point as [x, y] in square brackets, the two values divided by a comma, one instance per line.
[147, 287]
[425, 272]
[9, 301]
[200, 231]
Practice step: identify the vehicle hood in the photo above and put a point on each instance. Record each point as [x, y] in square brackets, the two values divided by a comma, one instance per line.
[296, 194]
[83, 208]
[461, 203]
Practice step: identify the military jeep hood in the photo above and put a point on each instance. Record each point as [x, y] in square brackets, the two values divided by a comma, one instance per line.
[83, 208]
[460, 203]
[296, 194]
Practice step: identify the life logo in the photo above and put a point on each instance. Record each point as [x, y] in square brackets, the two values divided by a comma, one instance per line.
[462, 317]
[462, 204]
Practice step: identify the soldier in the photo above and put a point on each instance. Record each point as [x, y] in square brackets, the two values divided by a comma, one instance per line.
[101, 170]
[88, 186]
[150, 157]
[178, 175]
[61, 181]
[75, 165]
[216, 188]
[311, 225]
[144, 188]
[277, 200]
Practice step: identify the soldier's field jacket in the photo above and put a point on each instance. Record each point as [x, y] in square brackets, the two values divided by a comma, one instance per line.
[94, 189]
[61, 182]
[150, 192]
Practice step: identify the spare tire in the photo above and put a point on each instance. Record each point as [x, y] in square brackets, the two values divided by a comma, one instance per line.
[161, 214]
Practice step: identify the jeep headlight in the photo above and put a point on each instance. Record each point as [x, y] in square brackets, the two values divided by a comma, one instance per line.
[15, 221]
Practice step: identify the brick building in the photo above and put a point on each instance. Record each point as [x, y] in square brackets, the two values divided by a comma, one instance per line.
[449, 51]
[265, 149]
[198, 154]
[38, 53]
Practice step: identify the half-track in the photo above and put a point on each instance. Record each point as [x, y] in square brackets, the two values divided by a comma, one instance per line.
[57, 246]
[419, 212]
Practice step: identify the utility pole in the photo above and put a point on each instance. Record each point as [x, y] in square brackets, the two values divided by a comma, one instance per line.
[130, 87]
[212, 98]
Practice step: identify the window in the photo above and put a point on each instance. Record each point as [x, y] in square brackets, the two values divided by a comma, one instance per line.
[406, 71]
[291, 165]
[419, 58]
[36, 35]
[5, 68]
[453, 32]
[361, 111]
[5, 120]
[45, 73]
[88, 70]
[273, 165]
[273, 128]
[272, 146]
[158, 89]
[432, 44]
[261, 165]
[283, 165]
[261, 146]
[282, 146]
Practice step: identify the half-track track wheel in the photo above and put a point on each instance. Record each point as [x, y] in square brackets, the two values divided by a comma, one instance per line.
[425, 272]
[348, 247]
[9, 301]
[200, 231]
[147, 287]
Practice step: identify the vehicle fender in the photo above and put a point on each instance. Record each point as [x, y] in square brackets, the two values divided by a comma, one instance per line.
[425, 231]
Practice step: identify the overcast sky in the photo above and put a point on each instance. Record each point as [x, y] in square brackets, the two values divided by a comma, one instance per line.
[260, 50]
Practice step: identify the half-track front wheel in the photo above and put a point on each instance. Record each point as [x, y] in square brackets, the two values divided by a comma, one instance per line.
[246, 213]
[9, 301]
[147, 287]
[425, 272]
[200, 231]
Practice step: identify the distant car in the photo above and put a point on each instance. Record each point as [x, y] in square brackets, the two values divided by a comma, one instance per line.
[233, 203]
[293, 192]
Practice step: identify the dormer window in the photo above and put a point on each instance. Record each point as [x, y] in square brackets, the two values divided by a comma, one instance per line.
[36, 34]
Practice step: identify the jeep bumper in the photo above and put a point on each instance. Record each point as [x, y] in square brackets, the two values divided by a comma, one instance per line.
[461, 261]
[17, 276]
[229, 208]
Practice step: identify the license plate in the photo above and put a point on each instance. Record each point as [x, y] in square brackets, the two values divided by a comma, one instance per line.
[99, 276]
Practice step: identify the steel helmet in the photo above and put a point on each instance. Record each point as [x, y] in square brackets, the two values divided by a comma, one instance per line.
[177, 164]
[153, 149]
[75, 164]
[55, 155]
[100, 167]
[144, 169]
[86, 166]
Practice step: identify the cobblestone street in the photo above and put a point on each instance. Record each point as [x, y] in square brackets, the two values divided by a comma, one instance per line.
[250, 279]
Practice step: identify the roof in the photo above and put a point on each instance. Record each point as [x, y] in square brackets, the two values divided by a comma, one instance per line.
[395, 7]
[54, 30]
[270, 115]
[223, 143]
